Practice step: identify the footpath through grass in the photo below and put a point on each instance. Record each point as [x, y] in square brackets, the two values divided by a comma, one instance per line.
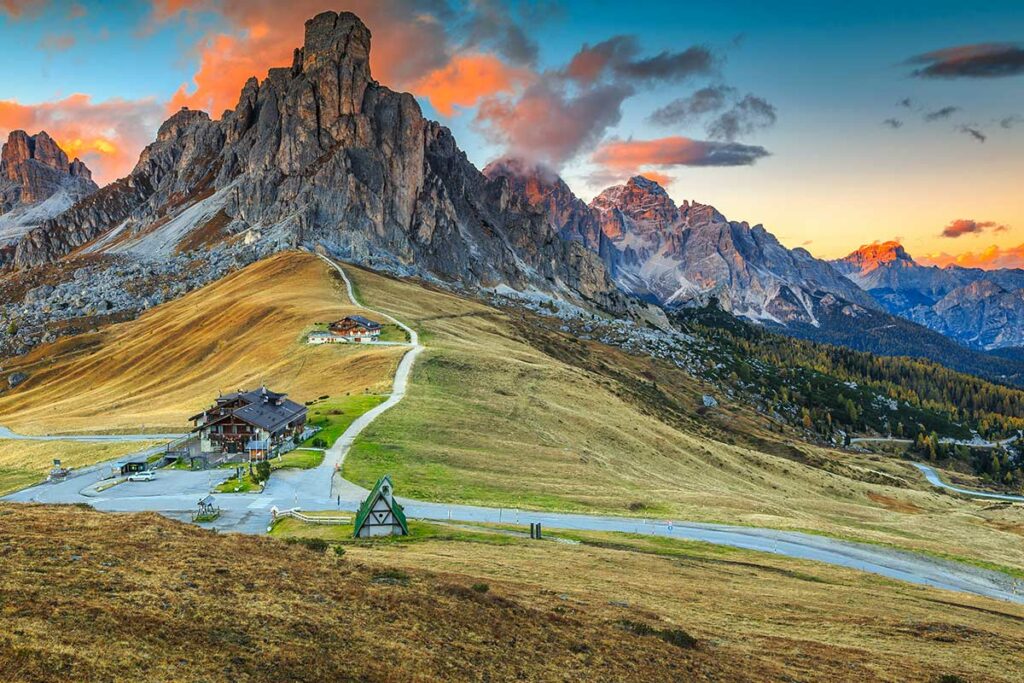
[334, 414]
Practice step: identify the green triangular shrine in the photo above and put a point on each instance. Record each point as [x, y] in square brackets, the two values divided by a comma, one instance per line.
[380, 514]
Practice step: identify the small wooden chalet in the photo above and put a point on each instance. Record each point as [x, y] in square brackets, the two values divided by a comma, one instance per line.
[356, 328]
[252, 423]
[380, 514]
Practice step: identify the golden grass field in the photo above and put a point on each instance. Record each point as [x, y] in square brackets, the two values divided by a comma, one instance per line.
[152, 373]
[776, 618]
[499, 413]
[23, 463]
[143, 598]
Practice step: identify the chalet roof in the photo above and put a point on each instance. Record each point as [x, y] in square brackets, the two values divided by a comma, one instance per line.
[357, 320]
[261, 408]
[366, 322]
[367, 505]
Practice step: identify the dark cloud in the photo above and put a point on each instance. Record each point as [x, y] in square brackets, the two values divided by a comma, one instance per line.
[906, 103]
[692, 107]
[893, 123]
[969, 226]
[492, 24]
[565, 112]
[618, 57]
[591, 63]
[550, 124]
[743, 116]
[940, 114]
[973, 132]
[671, 66]
[981, 60]
[1011, 121]
[746, 116]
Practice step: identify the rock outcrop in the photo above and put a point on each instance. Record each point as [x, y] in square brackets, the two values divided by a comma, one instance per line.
[37, 182]
[319, 153]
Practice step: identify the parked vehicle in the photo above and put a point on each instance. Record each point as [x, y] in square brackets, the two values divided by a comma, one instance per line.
[148, 475]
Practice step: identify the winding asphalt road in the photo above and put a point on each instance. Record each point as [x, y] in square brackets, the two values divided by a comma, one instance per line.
[175, 493]
[935, 480]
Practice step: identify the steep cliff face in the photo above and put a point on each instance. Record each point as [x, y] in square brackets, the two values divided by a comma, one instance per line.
[37, 182]
[320, 153]
[982, 309]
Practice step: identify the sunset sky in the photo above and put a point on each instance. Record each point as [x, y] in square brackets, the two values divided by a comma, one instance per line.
[833, 127]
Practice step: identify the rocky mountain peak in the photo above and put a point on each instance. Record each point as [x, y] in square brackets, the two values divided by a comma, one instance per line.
[544, 191]
[36, 183]
[173, 127]
[872, 256]
[639, 206]
[333, 38]
[537, 182]
[35, 167]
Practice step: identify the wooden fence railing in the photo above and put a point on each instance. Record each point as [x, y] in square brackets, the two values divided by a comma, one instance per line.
[310, 519]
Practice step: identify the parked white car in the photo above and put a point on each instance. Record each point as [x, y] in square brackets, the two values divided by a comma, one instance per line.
[148, 475]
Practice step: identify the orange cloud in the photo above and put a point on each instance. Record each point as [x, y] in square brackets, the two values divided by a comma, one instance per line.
[106, 135]
[968, 226]
[659, 178]
[630, 155]
[466, 80]
[988, 259]
[225, 65]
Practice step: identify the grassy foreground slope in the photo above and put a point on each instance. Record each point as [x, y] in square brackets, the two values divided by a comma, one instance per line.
[501, 412]
[149, 599]
[783, 619]
[152, 373]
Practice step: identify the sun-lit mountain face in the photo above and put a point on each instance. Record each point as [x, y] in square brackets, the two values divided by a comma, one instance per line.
[872, 256]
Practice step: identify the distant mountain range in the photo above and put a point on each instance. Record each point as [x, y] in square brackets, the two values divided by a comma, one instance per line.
[982, 309]
[687, 254]
[319, 153]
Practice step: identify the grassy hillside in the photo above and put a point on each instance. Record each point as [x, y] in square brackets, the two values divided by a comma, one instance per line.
[152, 373]
[143, 598]
[503, 412]
[23, 463]
[783, 619]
